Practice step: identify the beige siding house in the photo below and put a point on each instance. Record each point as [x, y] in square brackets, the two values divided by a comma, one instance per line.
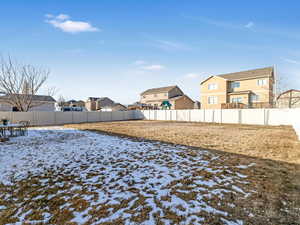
[289, 99]
[173, 94]
[39, 103]
[249, 89]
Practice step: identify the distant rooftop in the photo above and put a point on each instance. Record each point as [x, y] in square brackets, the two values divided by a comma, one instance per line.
[249, 74]
[41, 98]
[158, 90]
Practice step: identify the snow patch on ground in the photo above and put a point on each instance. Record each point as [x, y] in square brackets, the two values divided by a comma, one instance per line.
[155, 178]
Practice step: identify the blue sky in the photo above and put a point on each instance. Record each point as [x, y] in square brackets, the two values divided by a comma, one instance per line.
[120, 48]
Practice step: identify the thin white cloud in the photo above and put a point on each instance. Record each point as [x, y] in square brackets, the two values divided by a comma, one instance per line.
[249, 25]
[191, 75]
[292, 61]
[171, 45]
[139, 62]
[62, 17]
[222, 24]
[63, 23]
[155, 67]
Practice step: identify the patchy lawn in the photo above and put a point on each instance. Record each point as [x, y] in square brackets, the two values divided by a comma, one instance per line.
[66, 176]
[267, 142]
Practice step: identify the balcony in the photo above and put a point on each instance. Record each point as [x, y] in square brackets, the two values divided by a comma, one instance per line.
[254, 105]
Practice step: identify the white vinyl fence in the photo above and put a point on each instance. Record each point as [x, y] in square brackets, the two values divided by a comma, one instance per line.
[238, 116]
[39, 118]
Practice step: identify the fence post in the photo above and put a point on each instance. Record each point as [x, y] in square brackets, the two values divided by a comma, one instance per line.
[55, 118]
[240, 116]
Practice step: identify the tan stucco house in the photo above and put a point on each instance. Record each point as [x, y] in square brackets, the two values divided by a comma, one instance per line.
[154, 97]
[289, 99]
[246, 89]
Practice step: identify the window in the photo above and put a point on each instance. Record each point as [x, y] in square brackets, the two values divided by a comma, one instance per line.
[235, 84]
[155, 95]
[261, 82]
[254, 98]
[144, 96]
[212, 100]
[212, 86]
[237, 100]
[166, 94]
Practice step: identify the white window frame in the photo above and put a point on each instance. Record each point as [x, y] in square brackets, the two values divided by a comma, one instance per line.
[261, 82]
[237, 100]
[254, 98]
[212, 100]
[212, 86]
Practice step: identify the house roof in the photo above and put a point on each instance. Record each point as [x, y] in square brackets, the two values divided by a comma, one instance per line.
[159, 90]
[41, 98]
[179, 97]
[291, 90]
[248, 74]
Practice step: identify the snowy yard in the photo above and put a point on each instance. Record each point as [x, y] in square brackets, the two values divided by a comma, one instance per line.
[60, 175]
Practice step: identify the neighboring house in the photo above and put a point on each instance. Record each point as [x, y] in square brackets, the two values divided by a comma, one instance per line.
[197, 105]
[246, 89]
[139, 106]
[75, 103]
[39, 102]
[289, 99]
[114, 107]
[173, 94]
[103, 104]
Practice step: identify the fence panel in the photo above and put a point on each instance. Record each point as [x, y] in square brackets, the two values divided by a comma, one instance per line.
[118, 115]
[253, 116]
[230, 116]
[183, 115]
[197, 115]
[63, 117]
[209, 115]
[42, 118]
[161, 114]
[106, 116]
[80, 117]
[218, 116]
[23, 116]
[93, 116]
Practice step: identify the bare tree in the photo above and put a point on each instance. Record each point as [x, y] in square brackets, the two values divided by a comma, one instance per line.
[61, 101]
[20, 83]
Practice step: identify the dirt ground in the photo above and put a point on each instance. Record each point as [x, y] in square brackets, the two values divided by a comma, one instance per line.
[278, 143]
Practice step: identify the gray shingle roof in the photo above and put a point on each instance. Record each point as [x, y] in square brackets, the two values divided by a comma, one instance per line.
[158, 90]
[41, 98]
[249, 74]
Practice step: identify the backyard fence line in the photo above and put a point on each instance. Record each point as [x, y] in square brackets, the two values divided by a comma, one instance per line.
[231, 116]
[39, 118]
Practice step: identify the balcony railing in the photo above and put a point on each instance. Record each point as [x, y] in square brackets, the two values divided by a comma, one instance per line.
[254, 105]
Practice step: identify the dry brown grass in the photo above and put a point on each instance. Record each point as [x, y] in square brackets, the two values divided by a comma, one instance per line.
[274, 149]
[265, 142]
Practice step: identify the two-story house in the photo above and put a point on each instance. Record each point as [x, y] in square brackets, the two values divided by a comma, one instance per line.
[154, 97]
[251, 89]
[103, 104]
